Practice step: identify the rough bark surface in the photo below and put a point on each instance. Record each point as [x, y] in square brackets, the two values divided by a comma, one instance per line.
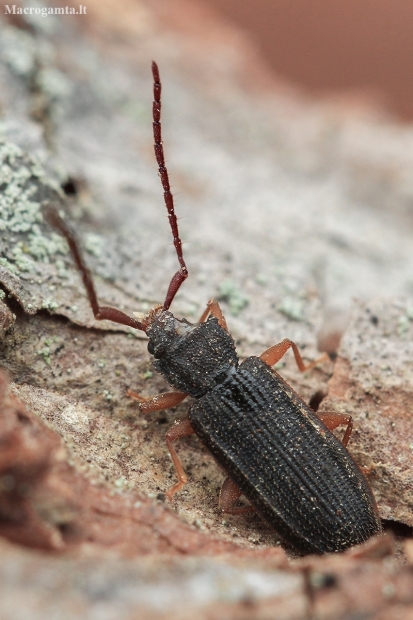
[373, 382]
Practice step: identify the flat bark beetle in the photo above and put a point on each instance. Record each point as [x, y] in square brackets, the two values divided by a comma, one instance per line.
[276, 451]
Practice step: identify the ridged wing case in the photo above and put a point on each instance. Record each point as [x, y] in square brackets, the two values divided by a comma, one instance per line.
[296, 474]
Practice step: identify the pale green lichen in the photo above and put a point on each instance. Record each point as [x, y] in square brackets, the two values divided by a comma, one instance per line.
[20, 259]
[42, 247]
[62, 272]
[49, 304]
[261, 279]
[43, 20]
[403, 325]
[5, 263]
[291, 308]
[18, 50]
[229, 292]
[18, 212]
[33, 58]
[45, 354]
[2, 294]
[405, 321]
[53, 83]
[21, 181]
[135, 110]
[93, 244]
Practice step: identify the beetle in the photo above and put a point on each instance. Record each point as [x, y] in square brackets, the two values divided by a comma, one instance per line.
[275, 450]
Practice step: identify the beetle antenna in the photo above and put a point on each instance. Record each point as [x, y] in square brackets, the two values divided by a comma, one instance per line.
[100, 312]
[182, 273]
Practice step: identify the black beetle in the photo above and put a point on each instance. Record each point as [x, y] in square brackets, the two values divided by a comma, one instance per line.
[276, 451]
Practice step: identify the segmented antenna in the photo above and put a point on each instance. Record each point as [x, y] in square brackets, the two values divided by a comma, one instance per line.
[182, 274]
[100, 312]
[113, 314]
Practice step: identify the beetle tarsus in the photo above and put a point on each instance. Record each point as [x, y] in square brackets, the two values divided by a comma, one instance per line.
[166, 400]
[228, 496]
[181, 428]
[332, 420]
[214, 309]
[273, 355]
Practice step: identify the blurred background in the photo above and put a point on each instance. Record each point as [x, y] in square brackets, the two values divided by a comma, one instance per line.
[329, 47]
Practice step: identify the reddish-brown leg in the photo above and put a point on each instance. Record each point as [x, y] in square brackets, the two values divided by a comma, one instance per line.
[375, 548]
[166, 400]
[228, 496]
[100, 312]
[332, 420]
[273, 355]
[213, 308]
[181, 428]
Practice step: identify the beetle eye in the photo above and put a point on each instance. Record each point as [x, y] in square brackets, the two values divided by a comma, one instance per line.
[151, 347]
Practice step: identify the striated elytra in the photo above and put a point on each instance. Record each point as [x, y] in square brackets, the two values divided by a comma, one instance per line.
[295, 472]
[298, 476]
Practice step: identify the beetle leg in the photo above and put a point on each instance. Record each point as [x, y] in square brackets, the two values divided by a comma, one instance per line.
[166, 400]
[273, 355]
[332, 420]
[214, 309]
[181, 428]
[375, 548]
[228, 496]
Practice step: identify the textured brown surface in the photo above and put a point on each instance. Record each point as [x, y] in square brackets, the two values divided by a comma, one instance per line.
[373, 381]
[48, 503]
[7, 319]
[235, 587]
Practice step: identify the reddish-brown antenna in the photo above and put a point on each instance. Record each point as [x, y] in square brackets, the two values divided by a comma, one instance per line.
[182, 274]
[112, 314]
[100, 312]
